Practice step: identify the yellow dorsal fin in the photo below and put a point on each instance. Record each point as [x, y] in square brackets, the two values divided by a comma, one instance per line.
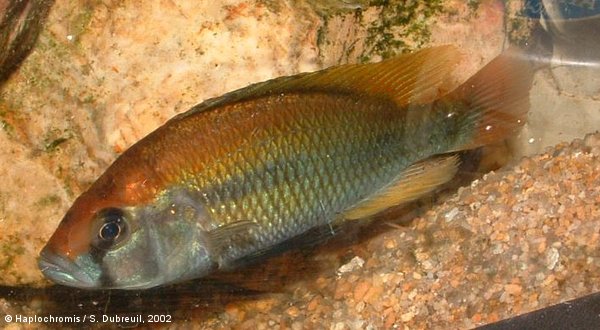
[407, 78]
[416, 78]
[414, 182]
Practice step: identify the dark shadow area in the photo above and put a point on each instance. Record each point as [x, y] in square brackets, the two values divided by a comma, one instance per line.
[197, 298]
[581, 313]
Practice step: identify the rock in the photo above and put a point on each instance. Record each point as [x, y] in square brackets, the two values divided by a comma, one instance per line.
[355, 263]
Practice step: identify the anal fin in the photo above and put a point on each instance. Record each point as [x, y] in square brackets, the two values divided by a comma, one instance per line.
[415, 181]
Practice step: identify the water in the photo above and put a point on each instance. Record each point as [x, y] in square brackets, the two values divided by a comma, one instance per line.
[98, 80]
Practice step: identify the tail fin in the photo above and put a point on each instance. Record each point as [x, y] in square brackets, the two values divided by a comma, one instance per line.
[497, 98]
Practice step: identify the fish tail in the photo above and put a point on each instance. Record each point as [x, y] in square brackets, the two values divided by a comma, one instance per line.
[493, 104]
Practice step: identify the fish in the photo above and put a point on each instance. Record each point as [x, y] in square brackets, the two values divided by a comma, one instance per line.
[238, 174]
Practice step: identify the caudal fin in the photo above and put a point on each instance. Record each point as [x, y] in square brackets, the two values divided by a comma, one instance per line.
[496, 99]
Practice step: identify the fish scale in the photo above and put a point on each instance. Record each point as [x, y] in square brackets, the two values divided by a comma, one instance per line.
[334, 186]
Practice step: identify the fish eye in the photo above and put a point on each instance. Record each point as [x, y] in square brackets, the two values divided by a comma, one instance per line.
[111, 229]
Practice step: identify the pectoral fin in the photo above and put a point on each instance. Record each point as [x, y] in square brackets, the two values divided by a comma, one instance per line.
[414, 182]
[219, 240]
[226, 232]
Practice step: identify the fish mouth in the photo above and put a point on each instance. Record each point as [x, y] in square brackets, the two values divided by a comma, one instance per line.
[63, 271]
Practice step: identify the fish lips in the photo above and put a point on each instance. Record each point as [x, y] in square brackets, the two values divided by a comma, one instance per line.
[62, 270]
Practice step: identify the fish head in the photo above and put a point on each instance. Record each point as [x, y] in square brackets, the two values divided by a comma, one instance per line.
[106, 241]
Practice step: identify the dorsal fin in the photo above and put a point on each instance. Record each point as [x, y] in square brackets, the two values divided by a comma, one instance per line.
[414, 182]
[403, 78]
[409, 78]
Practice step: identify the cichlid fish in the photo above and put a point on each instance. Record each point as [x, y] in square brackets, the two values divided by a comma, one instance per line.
[238, 174]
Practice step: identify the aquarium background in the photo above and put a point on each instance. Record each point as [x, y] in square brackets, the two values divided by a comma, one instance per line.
[100, 75]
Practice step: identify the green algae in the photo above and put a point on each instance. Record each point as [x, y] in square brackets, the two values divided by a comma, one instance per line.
[9, 250]
[48, 200]
[81, 20]
[7, 127]
[401, 26]
[473, 5]
[390, 26]
[520, 29]
[54, 144]
[324, 8]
